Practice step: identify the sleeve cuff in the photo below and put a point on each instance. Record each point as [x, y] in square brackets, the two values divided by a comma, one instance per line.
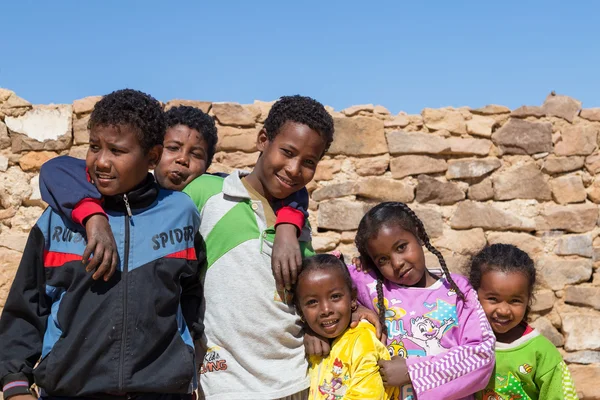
[290, 215]
[86, 208]
[15, 384]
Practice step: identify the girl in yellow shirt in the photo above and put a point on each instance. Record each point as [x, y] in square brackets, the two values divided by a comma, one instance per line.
[325, 298]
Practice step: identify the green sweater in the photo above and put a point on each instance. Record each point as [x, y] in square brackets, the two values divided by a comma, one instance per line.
[529, 368]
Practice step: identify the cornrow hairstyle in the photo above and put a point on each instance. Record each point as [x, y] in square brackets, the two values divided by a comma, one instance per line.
[303, 110]
[504, 258]
[194, 118]
[389, 213]
[136, 109]
[321, 262]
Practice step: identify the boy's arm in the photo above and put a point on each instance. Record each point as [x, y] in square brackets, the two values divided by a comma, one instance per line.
[65, 187]
[24, 319]
[292, 210]
[465, 368]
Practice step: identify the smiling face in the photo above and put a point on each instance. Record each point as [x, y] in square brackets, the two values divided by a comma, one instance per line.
[288, 161]
[325, 301]
[184, 157]
[115, 159]
[399, 256]
[504, 297]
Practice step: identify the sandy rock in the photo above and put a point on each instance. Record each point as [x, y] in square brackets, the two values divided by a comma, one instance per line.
[12, 105]
[455, 262]
[416, 143]
[403, 166]
[25, 218]
[557, 165]
[234, 139]
[234, 114]
[322, 244]
[491, 109]
[348, 237]
[433, 191]
[237, 159]
[399, 121]
[544, 299]
[385, 189]
[576, 218]
[555, 273]
[14, 187]
[481, 191]
[480, 126]
[476, 147]
[523, 137]
[265, 108]
[379, 109]
[593, 191]
[444, 118]
[81, 134]
[583, 295]
[466, 242]
[3, 163]
[42, 128]
[334, 190]
[586, 380]
[79, 151]
[578, 245]
[340, 214]
[358, 136]
[13, 239]
[353, 110]
[33, 160]
[550, 332]
[561, 106]
[85, 105]
[326, 169]
[4, 138]
[372, 165]
[7, 213]
[431, 218]
[577, 140]
[9, 260]
[525, 241]
[471, 214]
[592, 163]
[568, 189]
[583, 357]
[522, 181]
[35, 199]
[591, 114]
[581, 330]
[528, 111]
[202, 105]
[471, 167]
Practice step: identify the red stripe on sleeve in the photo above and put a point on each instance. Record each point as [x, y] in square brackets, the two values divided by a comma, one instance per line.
[53, 259]
[188, 254]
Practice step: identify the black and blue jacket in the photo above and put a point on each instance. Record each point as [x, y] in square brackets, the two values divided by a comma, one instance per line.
[132, 334]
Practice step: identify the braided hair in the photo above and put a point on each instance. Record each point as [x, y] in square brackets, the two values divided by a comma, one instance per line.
[389, 213]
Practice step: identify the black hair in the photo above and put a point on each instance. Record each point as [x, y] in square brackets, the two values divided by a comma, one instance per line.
[303, 110]
[389, 213]
[504, 258]
[131, 107]
[194, 118]
[321, 262]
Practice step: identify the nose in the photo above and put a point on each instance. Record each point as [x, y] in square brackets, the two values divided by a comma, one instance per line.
[397, 263]
[102, 161]
[293, 167]
[183, 159]
[503, 310]
[326, 309]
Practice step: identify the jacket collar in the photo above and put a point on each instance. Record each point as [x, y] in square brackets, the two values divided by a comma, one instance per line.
[233, 186]
[141, 196]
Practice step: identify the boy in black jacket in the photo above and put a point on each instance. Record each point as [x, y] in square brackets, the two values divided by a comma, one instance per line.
[126, 337]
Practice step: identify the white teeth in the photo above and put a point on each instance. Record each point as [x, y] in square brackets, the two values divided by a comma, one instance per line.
[329, 323]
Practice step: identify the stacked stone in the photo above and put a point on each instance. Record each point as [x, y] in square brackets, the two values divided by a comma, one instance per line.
[474, 176]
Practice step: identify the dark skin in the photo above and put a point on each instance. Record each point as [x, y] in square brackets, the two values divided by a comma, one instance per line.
[183, 160]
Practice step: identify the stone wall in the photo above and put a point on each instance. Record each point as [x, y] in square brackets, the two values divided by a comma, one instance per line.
[475, 176]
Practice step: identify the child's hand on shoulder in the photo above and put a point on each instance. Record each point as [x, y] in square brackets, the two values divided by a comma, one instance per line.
[315, 345]
[357, 261]
[361, 313]
[286, 260]
[394, 372]
[101, 242]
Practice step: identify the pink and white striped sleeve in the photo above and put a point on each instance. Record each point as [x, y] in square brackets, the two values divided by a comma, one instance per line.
[464, 369]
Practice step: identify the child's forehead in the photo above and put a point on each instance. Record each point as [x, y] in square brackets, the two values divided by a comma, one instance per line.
[114, 130]
[185, 134]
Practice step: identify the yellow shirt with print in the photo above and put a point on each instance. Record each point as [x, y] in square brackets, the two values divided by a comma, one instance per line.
[350, 371]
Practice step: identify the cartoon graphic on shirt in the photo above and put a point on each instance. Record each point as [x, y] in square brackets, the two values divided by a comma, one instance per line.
[525, 369]
[213, 361]
[427, 336]
[393, 318]
[397, 348]
[335, 388]
[509, 388]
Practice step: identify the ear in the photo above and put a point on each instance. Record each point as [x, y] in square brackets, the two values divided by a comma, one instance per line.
[354, 302]
[154, 155]
[262, 141]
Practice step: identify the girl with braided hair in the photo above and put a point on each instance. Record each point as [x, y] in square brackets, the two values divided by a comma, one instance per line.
[441, 343]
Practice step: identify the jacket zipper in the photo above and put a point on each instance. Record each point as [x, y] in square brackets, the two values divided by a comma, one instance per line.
[125, 270]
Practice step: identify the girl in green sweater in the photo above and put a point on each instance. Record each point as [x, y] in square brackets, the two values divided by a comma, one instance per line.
[528, 366]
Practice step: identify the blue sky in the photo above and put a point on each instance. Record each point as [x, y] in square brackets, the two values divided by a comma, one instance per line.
[404, 55]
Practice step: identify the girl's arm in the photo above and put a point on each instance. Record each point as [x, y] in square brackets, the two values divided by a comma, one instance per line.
[465, 368]
[557, 384]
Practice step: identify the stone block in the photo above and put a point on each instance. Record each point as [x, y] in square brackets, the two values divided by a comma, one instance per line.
[528, 111]
[81, 134]
[465, 242]
[358, 136]
[433, 191]
[431, 219]
[471, 167]
[525, 241]
[204, 106]
[591, 114]
[475, 147]
[556, 273]
[558, 165]
[322, 244]
[42, 128]
[582, 357]
[545, 327]
[33, 160]
[12, 105]
[444, 119]
[4, 138]
[236, 159]
[577, 140]
[565, 107]
[403, 166]
[481, 191]
[580, 245]
[583, 295]
[581, 330]
[340, 214]
[233, 139]
[416, 143]
[14, 187]
[334, 190]
[234, 114]
[385, 189]
[480, 126]
[544, 299]
[399, 121]
[3, 163]
[471, 214]
[326, 169]
[577, 218]
[491, 109]
[568, 189]
[592, 163]
[523, 137]
[354, 110]
[586, 380]
[522, 181]
[372, 165]
[85, 105]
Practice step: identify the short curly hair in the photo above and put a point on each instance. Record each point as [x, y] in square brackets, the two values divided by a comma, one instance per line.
[134, 108]
[194, 118]
[303, 110]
